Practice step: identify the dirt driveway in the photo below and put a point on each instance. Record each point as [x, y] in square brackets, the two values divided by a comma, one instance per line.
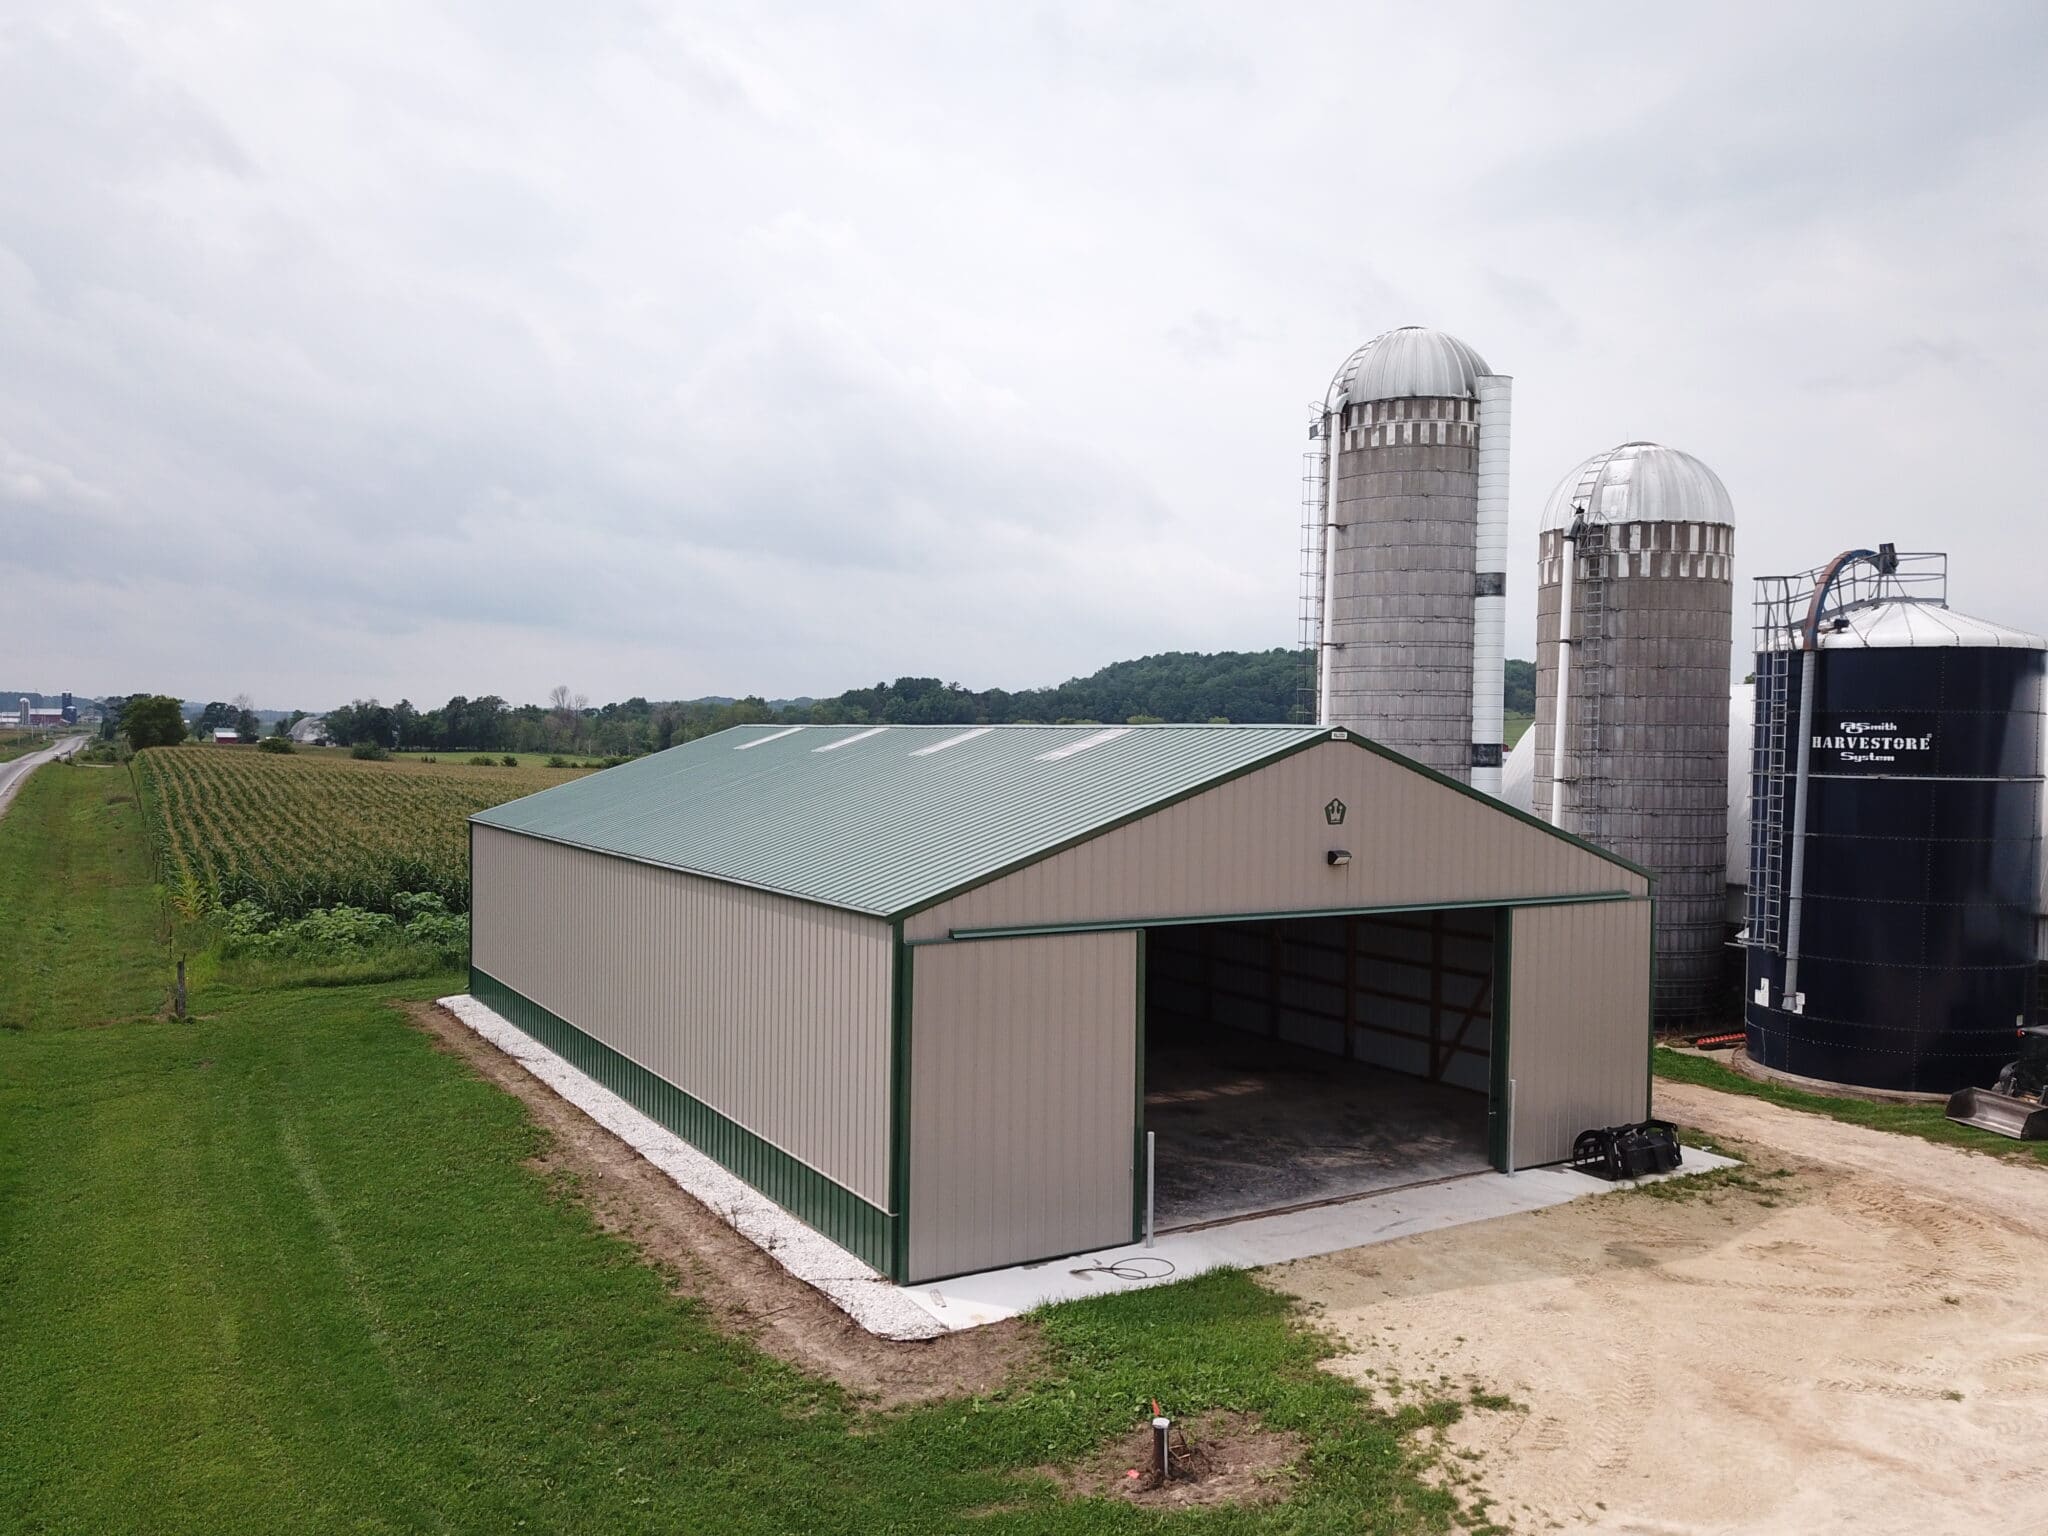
[1859, 1346]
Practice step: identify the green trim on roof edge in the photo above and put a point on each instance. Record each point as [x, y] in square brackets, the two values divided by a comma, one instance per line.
[1302, 739]
[1206, 919]
[878, 828]
[1501, 805]
[1329, 734]
[1150, 808]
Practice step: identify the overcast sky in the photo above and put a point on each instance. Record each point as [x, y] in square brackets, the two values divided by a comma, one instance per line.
[413, 349]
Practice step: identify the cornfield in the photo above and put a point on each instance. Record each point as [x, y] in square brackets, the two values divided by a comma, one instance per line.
[297, 833]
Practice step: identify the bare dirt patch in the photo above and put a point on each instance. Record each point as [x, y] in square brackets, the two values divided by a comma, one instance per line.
[746, 1291]
[1855, 1346]
[1218, 1458]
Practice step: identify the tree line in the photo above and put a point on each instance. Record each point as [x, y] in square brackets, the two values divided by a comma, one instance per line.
[1245, 687]
[1249, 686]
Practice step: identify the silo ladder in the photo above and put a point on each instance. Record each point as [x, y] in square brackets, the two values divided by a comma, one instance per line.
[1588, 762]
[1769, 763]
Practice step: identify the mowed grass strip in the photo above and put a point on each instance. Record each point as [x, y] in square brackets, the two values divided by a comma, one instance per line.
[288, 1267]
[1930, 1122]
[76, 910]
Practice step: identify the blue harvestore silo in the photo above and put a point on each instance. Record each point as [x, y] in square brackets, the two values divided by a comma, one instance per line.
[1895, 828]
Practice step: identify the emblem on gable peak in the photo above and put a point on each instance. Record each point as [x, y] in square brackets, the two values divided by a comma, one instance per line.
[1333, 813]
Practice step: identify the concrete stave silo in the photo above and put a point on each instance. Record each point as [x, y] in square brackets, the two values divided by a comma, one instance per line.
[1637, 545]
[1405, 550]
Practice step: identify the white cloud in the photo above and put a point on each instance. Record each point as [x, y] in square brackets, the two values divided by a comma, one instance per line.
[414, 349]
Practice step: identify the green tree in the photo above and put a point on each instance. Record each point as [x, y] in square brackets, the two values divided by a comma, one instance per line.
[1518, 687]
[153, 721]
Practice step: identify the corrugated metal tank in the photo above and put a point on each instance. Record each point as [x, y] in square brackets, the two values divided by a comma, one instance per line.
[1649, 535]
[1921, 869]
[1408, 620]
[1518, 788]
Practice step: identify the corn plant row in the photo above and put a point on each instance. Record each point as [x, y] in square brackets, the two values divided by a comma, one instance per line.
[295, 834]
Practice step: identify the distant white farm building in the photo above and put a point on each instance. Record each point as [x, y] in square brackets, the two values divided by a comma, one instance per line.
[311, 731]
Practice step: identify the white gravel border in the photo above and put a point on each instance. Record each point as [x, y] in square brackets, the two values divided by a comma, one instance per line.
[890, 1311]
[859, 1291]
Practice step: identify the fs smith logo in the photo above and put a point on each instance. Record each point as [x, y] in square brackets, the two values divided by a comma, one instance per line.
[1871, 741]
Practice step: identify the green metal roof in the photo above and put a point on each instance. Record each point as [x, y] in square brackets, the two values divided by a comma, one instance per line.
[885, 819]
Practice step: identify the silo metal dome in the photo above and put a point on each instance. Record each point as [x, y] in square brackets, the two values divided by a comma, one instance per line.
[1409, 362]
[1404, 550]
[1639, 483]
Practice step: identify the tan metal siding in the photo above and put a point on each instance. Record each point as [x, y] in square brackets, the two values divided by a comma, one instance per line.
[1578, 1022]
[1257, 844]
[1022, 1100]
[774, 1012]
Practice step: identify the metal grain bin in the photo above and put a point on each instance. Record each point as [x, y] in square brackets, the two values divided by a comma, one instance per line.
[1896, 829]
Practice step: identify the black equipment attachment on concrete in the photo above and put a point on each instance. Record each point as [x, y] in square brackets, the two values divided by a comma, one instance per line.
[1628, 1151]
[2012, 1106]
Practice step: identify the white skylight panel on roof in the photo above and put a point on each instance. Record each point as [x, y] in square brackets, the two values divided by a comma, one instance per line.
[847, 741]
[952, 741]
[762, 741]
[1085, 744]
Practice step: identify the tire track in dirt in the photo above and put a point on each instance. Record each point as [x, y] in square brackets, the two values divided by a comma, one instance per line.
[1852, 1347]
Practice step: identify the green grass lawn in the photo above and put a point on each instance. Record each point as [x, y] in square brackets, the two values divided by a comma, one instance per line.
[1513, 724]
[286, 1268]
[1927, 1121]
[77, 916]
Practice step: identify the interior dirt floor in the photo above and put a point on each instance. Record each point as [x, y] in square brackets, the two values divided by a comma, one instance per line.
[1858, 1344]
[746, 1291]
[1245, 1124]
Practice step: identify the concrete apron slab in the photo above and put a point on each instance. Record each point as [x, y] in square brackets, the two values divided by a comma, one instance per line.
[970, 1301]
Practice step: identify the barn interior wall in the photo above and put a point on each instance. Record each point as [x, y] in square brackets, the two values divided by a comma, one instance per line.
[1411, 992]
